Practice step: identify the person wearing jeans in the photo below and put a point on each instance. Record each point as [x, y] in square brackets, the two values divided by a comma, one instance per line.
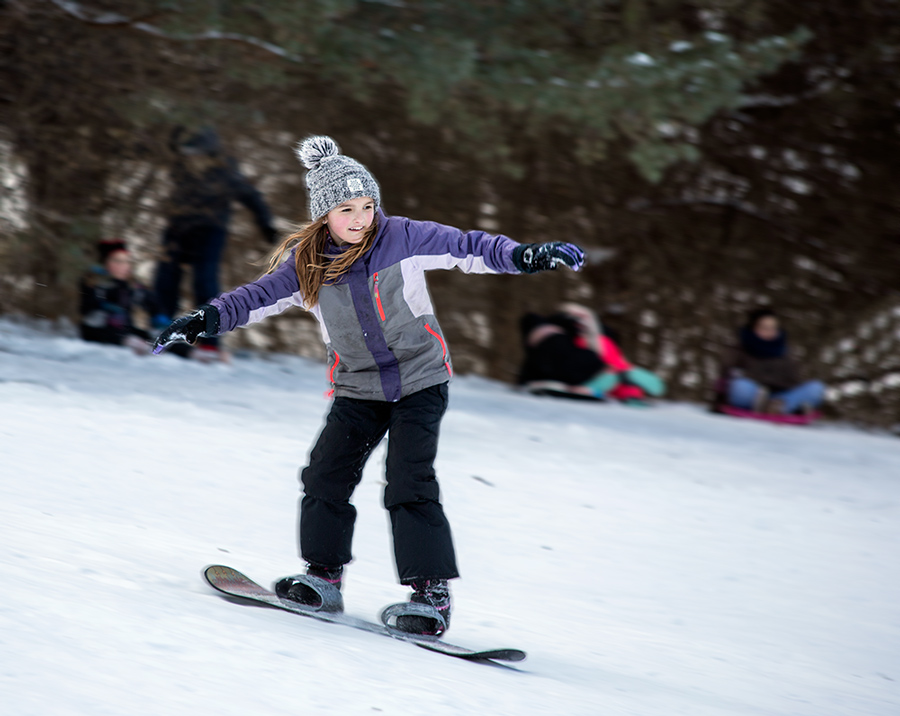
[759, 374]
[748, 395]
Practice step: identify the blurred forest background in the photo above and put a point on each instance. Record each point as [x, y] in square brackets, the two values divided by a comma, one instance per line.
[711, 156]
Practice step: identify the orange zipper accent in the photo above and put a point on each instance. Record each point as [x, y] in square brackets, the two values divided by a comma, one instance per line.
[378, 298]
[337, 359]
[443, 348]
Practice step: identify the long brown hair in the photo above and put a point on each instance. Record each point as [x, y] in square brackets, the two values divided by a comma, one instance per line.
[314, 267]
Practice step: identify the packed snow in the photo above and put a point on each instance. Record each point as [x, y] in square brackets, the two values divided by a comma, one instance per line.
[654, 561]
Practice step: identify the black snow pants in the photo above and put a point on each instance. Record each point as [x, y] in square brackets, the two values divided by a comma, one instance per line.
[423, 546]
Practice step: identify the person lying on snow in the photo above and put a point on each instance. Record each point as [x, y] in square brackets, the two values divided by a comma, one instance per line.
[361, 273]
[568, 353]
[759, 375]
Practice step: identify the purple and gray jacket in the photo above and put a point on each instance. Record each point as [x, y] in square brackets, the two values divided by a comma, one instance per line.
[377, 321]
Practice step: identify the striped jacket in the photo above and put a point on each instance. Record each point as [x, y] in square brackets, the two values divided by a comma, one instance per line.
[377, 321]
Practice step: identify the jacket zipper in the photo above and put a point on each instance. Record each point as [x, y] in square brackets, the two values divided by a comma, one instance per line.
[378, 298]
[337, 359]
[443, 348]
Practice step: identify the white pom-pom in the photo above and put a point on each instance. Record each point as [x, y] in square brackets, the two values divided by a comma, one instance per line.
[312, 150]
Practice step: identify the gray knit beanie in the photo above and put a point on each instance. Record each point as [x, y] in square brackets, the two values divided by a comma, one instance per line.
[333, 178]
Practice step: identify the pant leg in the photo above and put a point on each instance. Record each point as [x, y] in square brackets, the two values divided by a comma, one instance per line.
[352, 430]
[167, 283]
[423, 544]
[742, 393]
[642, 378]
[602, 383]
[208, 243]
[811, 393]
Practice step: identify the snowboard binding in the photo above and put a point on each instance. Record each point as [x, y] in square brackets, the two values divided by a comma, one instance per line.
[427, 613]
[313, 593]
[413, 618]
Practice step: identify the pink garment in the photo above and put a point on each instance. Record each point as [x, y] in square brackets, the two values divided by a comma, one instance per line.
[626, 392]
[613, 355]
[610, 353]
[615, 359]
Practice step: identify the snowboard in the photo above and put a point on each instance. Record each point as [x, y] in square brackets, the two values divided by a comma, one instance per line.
[232, 583]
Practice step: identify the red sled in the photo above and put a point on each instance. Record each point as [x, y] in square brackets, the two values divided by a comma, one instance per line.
[776, 418]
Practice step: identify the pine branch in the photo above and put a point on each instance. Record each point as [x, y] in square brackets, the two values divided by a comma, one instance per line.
[110, 19]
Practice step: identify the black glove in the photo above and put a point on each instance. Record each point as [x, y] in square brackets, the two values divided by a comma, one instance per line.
[202, 321]
[531, 258]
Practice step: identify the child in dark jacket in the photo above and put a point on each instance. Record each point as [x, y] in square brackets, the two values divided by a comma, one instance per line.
[109, 294]
[361, 273]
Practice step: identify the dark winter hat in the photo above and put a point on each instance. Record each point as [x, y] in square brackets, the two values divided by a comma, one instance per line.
[110, 246]
[759, 347]
[204, 141]
[754, 316]
[333, 178]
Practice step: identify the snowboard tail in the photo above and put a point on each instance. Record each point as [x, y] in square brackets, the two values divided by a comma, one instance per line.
[230, 582]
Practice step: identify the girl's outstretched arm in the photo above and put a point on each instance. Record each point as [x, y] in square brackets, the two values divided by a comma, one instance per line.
[441, 246]
[268, 295]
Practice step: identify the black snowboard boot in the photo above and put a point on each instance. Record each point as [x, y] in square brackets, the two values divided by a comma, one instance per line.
[434, 593]
[319, 588]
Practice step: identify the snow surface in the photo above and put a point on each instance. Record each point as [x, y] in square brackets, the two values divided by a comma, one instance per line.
[657, 561]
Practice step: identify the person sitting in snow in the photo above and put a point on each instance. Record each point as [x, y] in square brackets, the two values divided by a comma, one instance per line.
[759, 375]
[569, 350]
[361, 273]
[109, 294]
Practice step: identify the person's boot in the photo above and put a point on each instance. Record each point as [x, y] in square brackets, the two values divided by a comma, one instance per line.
[434, 595]
[319, 589]
[760, 401]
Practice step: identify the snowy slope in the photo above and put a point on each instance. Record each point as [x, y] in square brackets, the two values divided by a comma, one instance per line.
[661, 561]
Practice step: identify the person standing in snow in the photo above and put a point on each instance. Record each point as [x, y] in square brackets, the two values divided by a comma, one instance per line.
[361, 273]
[205, 184]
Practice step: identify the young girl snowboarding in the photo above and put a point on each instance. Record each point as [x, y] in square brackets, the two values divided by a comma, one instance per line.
[361, 273]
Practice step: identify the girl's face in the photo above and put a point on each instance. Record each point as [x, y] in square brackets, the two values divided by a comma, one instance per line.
[349, 221]
[118, 265]
[767, 328]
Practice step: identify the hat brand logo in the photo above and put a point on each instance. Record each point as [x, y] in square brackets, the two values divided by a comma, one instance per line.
[354, 184]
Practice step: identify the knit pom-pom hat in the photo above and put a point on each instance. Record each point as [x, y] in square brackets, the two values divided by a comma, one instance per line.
[333, 178]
